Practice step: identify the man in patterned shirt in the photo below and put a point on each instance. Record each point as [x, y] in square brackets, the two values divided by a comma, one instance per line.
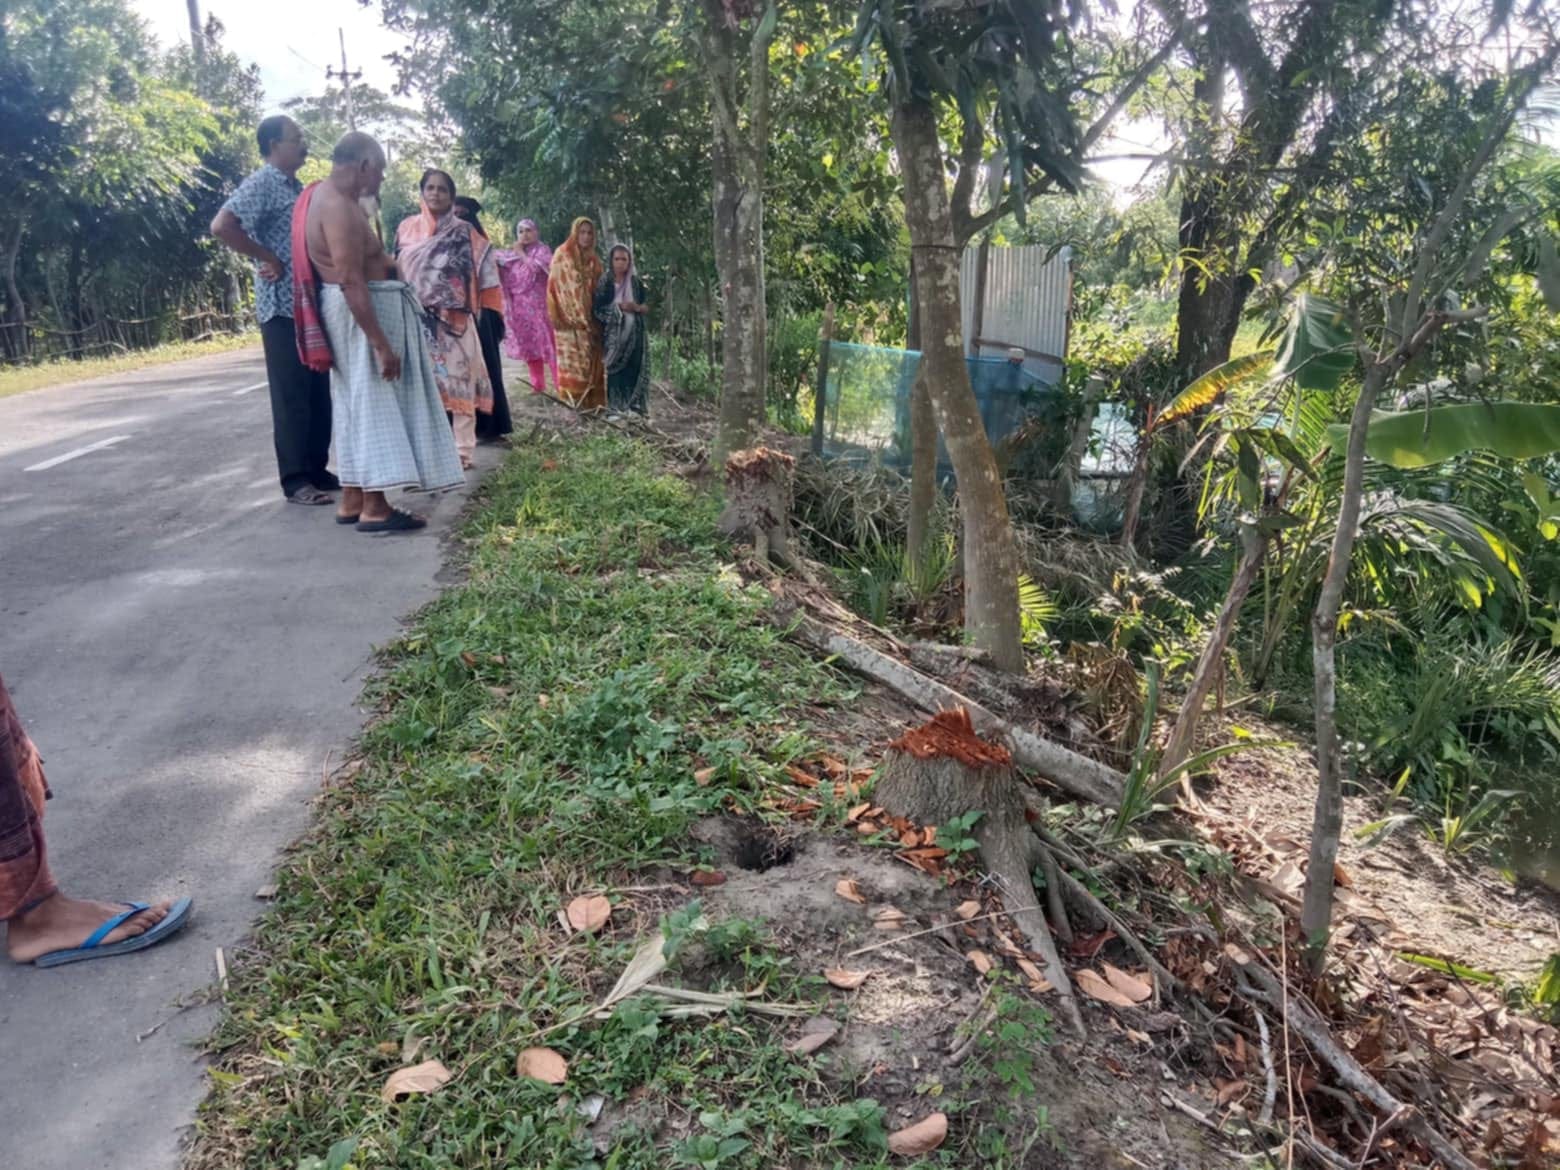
[257, 222]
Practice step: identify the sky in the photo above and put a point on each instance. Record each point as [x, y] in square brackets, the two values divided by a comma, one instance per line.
[291, 40]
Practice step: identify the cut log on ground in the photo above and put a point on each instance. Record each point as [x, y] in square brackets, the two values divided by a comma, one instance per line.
[1074, 774]
[943, 770]
[759, 487]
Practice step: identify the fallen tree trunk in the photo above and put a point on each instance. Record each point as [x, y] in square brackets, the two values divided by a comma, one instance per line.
[1074, 774]
[943, 770]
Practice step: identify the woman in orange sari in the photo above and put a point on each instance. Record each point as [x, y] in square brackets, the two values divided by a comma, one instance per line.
[571, 288]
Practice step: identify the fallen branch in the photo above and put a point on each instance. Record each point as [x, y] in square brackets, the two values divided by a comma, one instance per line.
[1265, 988]
[1074, 774]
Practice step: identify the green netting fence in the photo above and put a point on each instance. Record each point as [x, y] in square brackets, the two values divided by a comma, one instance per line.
[867, 402]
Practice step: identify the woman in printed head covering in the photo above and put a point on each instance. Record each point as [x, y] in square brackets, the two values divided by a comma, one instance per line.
[490, 332]
[524, 273]
[571, 287]
[448, 263]
[621, 309]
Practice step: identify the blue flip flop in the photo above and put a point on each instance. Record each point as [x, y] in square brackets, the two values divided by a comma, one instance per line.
[178, 917]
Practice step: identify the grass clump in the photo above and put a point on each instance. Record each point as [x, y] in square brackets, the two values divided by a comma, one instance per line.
[541, 727]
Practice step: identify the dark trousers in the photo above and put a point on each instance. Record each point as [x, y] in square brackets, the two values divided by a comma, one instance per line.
[300, 410]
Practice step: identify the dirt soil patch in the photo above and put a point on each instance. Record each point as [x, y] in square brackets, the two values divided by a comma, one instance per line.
[904, 1032]
[1404, 890]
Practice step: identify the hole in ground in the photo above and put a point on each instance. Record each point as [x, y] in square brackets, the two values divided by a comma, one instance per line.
[760, 848]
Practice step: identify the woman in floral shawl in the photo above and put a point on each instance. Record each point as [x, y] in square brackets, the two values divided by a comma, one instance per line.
[571, 288]
[621, 309]
[448, 264]
[530, 334]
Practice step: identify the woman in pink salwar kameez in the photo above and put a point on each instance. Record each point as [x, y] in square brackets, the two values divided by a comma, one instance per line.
[523, 273]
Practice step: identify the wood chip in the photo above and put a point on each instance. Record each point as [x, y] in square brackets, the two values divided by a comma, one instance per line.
[888, 918]
[850, 891]
[981, 961]
[814, 1034]
[846, 980]
[589, 914]
[1094, 985]
[542, 1064]
[1137, 988]
[419, 1078]
[921, 1138]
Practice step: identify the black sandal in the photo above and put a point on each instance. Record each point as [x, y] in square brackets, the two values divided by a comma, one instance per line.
[397, 521]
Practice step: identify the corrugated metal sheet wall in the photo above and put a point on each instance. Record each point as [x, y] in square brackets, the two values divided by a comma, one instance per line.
[1026, 302]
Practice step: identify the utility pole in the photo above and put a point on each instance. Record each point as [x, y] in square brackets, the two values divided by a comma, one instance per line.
[197, 37]
[347, 78]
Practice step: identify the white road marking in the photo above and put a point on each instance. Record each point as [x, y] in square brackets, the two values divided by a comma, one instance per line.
[76, 454]
[247, 389]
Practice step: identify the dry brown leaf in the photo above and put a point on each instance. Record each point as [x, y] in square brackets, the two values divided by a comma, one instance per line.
[855, 813]
[1031, 972]
[846, 980]
[815, 1033]
[866, 828]
[1093, 984]
[388, 1047]
[589, 914]
[888, 918]
[1288, 878]
[981, 961]
[703, 776]
[1137, 988]
[418, 1078]
[542, 1064]
[929, 834]
[543, 698]
[967, 910]
[1229, 1091]
[708, 877]
[850, 891]
[1341, 876]
[834, 767]
[921, 1138]
[805, 779]
[909, 838]
[1139, 1037]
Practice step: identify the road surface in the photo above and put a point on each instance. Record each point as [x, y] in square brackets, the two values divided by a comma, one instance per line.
[187, 651]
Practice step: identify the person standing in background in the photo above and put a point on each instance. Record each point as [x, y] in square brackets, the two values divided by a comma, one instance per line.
[447, 263]
[524, 273]
[256, 221]
[571, 291]
[625, 342]
[494, 424]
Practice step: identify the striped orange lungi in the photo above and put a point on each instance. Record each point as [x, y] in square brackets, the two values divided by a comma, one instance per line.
[25, 879]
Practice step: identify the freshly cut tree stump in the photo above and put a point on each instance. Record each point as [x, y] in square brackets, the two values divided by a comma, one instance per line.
[942, 770]
[759, 487]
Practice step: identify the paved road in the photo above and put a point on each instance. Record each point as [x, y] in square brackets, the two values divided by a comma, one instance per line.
[186, 650]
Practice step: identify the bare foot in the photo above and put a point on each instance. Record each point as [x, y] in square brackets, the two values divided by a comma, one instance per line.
[60, 924]
[351, 502]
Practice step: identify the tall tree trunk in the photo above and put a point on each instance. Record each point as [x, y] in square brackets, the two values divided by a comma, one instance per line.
[991, 615]
[1184, 734]
[17, 307]
[1316, 911]
[738, 166]
[923, 444]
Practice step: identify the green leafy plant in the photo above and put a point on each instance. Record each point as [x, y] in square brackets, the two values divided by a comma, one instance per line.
[956, 834]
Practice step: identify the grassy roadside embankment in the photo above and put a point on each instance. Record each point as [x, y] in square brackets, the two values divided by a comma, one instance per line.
[541, 728]
[20, 379]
